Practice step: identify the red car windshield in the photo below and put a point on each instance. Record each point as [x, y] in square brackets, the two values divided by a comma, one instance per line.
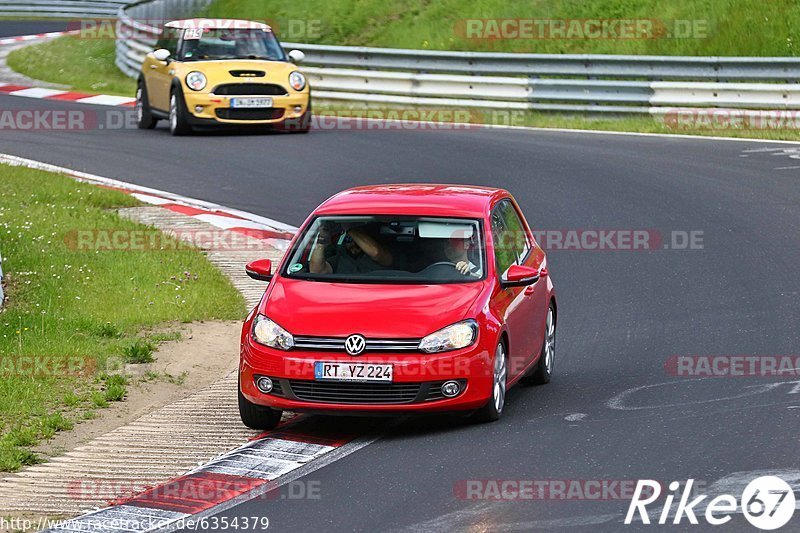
[389, 249]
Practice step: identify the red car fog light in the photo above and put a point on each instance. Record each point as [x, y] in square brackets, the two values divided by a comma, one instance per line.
[451, 389]
[264, 384]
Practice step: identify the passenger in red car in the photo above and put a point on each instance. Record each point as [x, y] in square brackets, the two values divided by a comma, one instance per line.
[359, 253]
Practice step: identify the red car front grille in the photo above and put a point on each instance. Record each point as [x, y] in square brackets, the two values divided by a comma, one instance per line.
[372, 345]
[355, 393]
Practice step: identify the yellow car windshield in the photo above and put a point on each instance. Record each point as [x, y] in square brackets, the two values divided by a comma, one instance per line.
[212, 44]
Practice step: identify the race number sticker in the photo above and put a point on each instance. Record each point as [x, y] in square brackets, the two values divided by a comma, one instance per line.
[768, 502]
[192, 34]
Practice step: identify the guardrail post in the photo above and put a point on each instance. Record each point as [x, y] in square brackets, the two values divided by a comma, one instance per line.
[2, 297]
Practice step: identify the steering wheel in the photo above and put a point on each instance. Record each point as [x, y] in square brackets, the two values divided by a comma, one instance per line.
[440, 270]
[441, 263]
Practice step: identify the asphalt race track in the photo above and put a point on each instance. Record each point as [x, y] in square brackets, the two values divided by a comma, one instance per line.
[12, 28]
[622, 314]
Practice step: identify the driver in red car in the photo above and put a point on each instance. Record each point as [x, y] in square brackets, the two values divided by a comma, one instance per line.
[456, 249]
[359, 253]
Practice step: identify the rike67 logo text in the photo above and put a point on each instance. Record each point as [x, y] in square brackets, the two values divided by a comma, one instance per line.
[767, 502]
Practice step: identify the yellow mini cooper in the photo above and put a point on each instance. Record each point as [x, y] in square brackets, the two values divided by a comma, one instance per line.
[210, 72]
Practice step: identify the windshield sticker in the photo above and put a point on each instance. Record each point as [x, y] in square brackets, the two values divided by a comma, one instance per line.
[297, 267]
[192, 34]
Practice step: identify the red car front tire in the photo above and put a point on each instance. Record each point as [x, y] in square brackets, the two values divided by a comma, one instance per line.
[493, 409]
[257, 416]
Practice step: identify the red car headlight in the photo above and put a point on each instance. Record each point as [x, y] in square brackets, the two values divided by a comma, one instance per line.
[268, 333]
[458, 335]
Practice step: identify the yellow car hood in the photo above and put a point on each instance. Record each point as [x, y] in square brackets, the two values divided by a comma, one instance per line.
[218, 72]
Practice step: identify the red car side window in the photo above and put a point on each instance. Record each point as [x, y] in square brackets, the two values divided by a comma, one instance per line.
[511, 244]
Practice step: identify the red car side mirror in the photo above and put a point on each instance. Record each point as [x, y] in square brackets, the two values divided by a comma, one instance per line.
[260, 269]
[521, 275]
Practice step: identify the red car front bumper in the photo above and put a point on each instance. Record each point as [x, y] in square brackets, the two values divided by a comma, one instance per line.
[471, 366]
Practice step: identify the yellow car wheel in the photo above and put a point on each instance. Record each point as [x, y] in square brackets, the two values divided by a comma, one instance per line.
[144, 118]
[178, 122]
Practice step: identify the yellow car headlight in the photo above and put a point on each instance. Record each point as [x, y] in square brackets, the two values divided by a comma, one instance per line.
[196, 81]
[297, 81]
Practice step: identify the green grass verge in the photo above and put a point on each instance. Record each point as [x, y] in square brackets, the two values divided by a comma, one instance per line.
[73, 316]
[634, 123]
[86, 65]
[726, 27]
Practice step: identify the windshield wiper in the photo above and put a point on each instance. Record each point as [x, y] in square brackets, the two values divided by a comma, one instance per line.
[206, 57]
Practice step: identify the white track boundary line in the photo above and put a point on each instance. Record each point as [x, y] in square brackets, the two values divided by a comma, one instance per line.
[312, 466]
[640, 134]
[97, 521]
[177, 198]
[36, 36]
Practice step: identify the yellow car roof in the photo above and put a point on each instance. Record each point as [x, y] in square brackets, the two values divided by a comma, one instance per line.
[218, 24]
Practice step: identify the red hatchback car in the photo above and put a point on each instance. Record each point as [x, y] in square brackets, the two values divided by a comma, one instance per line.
[400, 299]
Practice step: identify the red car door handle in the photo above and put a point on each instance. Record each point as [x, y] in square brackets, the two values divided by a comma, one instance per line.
[532, 287]
[529, 289]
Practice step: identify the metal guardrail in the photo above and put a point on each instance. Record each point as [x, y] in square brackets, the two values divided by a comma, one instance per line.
[709, 68]
[61, 8]
[599, 83]
[137, 24]
[544, 94]
[549, 81]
